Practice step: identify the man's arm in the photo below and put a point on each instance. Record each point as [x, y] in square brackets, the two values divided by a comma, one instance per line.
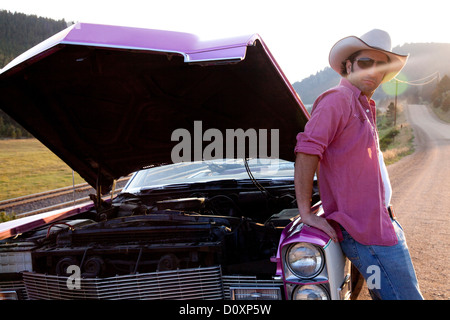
[305, 168]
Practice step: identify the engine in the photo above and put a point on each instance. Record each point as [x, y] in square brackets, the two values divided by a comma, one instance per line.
[133, 235]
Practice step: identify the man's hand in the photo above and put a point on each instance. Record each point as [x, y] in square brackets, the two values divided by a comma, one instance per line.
[320, 223]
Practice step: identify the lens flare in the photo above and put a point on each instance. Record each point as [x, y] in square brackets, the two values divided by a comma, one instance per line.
[390, 87]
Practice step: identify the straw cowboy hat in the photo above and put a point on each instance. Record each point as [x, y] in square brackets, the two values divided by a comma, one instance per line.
[373, 40]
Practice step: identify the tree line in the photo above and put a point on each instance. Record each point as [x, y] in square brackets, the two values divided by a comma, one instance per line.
[19, 32]
[441, 95]
[11, 129]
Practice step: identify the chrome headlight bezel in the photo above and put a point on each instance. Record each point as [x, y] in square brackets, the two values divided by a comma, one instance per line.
[316, 289]
[307, 253]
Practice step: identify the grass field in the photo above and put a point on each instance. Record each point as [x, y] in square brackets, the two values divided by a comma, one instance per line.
[27, 167]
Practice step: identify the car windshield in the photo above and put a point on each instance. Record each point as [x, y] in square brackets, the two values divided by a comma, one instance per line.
[211, 170]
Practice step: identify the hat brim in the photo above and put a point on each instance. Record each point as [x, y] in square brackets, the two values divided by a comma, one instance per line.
[345, 47]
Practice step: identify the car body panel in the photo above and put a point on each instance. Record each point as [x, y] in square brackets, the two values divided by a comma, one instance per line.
[335, 269]
[17, 226]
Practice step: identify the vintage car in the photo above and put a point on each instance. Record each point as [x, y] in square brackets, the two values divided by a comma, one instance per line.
[208, 129]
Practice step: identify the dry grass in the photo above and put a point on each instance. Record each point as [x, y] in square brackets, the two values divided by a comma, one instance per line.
[27, 166]
[393, 155]
[402, 143]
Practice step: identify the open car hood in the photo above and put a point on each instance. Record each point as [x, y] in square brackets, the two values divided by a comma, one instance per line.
[106, 99]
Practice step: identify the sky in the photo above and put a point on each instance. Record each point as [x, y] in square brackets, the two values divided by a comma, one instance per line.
[299, 33]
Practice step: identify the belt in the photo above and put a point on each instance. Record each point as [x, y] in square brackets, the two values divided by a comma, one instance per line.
[391, 213]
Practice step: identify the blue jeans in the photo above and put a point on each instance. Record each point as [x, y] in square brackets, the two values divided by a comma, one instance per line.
[388, 270]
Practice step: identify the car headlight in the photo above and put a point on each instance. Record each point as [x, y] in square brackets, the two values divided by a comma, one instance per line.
[310, 292]
[305, 260]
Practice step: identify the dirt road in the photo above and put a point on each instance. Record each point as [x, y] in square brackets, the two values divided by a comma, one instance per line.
[421, 198]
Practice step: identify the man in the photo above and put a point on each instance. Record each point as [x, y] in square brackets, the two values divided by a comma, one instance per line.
[354, 185]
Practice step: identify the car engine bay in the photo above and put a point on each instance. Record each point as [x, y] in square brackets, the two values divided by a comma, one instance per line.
[231, 224]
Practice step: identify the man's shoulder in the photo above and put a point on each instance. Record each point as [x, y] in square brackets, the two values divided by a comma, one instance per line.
[338, 95]
[338, 91]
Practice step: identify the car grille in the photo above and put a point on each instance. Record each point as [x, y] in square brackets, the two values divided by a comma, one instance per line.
[186, 284]
[198, 283]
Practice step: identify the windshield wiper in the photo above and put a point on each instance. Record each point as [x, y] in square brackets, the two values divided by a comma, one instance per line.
[193, 185]
[263, 190]
[165, 187]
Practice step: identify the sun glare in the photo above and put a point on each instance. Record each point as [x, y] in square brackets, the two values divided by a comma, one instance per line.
[398, 85]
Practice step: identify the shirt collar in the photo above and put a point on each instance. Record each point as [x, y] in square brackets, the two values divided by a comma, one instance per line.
[348, 84]
[344, 82]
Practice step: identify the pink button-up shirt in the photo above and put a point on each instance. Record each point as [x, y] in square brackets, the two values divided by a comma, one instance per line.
[342, 132]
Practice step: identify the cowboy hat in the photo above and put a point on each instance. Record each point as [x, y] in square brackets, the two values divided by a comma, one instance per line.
[373, 40]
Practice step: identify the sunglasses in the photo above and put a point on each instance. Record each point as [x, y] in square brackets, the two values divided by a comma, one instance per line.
[366, 63]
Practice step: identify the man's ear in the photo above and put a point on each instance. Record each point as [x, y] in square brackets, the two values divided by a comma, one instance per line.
[349, 66]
